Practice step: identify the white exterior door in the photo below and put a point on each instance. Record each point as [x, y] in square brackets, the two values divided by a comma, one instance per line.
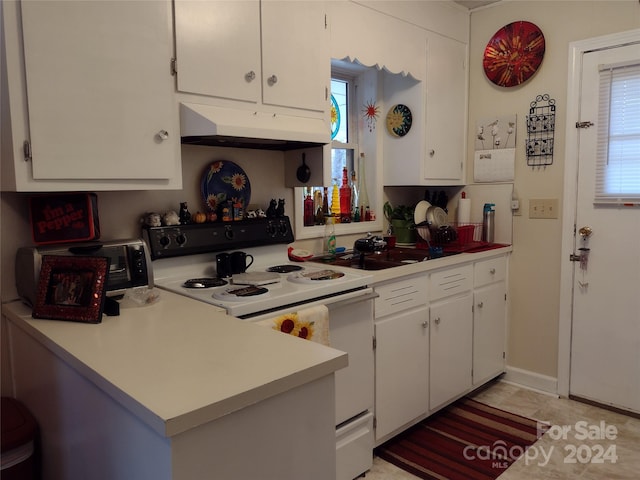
[605, 329]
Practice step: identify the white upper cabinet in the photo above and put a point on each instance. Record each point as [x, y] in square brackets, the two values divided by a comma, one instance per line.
[91, 91]
[262, 52]
[433, 150]
[446, 111]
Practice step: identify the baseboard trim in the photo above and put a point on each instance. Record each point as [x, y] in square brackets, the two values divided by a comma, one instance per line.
[531, 380]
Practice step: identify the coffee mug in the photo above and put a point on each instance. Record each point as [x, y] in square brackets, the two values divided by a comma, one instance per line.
[239, 262]
[223, 265]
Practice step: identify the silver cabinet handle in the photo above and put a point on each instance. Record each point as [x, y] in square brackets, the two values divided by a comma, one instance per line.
[250, 75]
[481, 304]
[492, 271]
[272, 80]
[425, 324]
[163, 135]
[437, 320]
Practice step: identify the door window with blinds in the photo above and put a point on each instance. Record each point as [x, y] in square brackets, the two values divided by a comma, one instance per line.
[618, 156]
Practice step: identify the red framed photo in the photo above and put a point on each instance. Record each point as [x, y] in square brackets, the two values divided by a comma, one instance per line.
[71, 288]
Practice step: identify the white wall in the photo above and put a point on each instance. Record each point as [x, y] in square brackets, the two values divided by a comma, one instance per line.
[535, 263]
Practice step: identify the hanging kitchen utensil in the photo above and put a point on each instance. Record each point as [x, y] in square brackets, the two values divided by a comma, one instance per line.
[303, 174]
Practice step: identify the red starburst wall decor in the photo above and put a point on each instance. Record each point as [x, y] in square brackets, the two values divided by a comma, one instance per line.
[371, 112]
[514, 54]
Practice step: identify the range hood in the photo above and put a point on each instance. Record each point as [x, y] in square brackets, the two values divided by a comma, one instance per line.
[229, 127]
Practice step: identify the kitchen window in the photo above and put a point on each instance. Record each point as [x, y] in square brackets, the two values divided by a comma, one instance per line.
[618, 148]
[346, 97]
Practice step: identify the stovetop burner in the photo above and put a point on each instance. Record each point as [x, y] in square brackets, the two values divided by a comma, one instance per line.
[315, 276]
[205, 282]
[284, 268]
[234, 294]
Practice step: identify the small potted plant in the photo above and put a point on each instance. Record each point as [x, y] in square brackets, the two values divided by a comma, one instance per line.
[401, 222]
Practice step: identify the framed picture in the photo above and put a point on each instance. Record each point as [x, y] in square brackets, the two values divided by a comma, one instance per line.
[71, 288]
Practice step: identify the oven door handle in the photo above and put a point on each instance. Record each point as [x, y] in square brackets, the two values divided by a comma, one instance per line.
[336, 301]
[348, 301]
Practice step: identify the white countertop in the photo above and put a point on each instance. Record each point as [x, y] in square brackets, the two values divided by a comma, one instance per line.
[181, 363]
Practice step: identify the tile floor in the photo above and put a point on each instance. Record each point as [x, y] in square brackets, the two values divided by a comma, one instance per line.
[558, 452]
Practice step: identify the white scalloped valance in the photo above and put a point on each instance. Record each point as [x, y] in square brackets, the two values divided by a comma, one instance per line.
[372, 39]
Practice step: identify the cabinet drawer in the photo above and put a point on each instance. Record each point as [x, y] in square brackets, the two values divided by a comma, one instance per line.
[451, 281]
[401, 295]
[489, 271]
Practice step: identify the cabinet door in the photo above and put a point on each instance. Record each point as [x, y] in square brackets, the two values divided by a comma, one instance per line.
[446, 109]
[402, 358]
[295, 55]
[218, 48]
[100, 90]
[489, 317]
[450, 359]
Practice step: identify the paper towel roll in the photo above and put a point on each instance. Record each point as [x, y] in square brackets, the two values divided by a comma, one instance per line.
[464, 210]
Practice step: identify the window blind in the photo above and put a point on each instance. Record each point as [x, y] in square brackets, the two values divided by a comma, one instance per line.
[618, 144]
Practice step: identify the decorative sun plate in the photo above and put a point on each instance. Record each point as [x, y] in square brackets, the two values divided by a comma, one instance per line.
[514, 54]
[222, 181]
[399, 120]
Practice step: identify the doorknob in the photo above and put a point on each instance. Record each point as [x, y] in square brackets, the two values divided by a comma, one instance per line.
[585, 232]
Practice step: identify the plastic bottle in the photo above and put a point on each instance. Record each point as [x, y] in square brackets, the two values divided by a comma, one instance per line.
[488, 222]
[329, 240]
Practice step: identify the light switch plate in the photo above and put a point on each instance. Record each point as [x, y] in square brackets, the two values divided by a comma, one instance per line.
[543, 208]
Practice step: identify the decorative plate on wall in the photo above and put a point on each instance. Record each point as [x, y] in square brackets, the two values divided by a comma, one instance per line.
[514, 54]
[399, 120]
[222, 181]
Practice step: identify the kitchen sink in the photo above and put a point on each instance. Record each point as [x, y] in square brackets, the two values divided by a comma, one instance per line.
[376, 260]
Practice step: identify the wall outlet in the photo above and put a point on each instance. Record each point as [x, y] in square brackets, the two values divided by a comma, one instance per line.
[515, 207]
[543, 208]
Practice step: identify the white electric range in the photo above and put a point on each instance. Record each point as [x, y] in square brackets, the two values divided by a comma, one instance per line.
[184, 262]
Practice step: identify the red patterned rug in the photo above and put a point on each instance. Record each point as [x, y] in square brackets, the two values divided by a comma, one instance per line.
[466, 440]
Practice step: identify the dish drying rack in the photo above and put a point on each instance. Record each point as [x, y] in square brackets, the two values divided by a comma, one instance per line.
[466, 236]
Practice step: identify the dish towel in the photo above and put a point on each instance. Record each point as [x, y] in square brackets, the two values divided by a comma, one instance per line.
[310, 323]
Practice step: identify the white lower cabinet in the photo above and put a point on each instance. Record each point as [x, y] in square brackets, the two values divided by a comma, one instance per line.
[438, 336]
[451, 338]
[450, 349]
[489, 319]
[402, 355]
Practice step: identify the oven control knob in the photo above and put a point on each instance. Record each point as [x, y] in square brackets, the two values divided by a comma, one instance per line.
[181, 239]
[228, 232]
[165, 241]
